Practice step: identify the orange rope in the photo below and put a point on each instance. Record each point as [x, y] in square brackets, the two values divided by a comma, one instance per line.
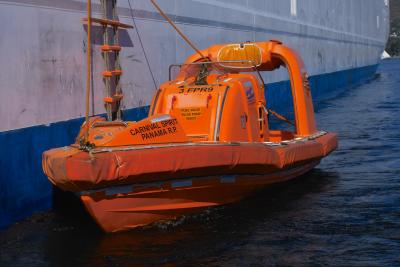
[89, 55]
[280, 117]
[176, 28]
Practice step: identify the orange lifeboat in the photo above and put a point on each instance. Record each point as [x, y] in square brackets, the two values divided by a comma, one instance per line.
[206, 141]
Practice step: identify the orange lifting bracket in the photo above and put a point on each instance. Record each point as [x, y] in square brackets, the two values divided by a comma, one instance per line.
[113, 99]
[108, 48]
[107, 22]
[111, 73]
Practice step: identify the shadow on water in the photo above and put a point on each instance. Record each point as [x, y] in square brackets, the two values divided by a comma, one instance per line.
[69, 236]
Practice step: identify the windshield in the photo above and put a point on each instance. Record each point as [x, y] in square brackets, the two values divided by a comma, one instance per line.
[198, 73]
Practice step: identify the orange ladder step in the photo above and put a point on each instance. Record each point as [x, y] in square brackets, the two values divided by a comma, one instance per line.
[110, 73]
[109, 48]
[113, 99]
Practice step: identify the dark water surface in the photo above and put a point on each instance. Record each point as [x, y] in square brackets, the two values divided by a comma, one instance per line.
[344, 213]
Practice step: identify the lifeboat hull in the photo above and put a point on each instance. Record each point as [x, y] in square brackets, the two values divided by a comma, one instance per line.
[127, 187]
[127, 207]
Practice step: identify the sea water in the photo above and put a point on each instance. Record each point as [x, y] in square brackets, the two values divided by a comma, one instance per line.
[346, 212]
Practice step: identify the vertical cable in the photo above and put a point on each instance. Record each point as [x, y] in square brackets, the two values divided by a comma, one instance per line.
[117, 63]
[89, 56]
[141, 44]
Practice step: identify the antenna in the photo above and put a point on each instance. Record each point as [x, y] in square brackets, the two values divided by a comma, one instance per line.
[177, 29]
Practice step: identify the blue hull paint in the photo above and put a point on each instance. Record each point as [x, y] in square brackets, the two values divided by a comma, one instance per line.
[25, 190]
[23, 187]
[323, 86]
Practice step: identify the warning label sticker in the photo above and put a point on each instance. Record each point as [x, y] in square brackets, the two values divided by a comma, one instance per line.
[191, 114]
